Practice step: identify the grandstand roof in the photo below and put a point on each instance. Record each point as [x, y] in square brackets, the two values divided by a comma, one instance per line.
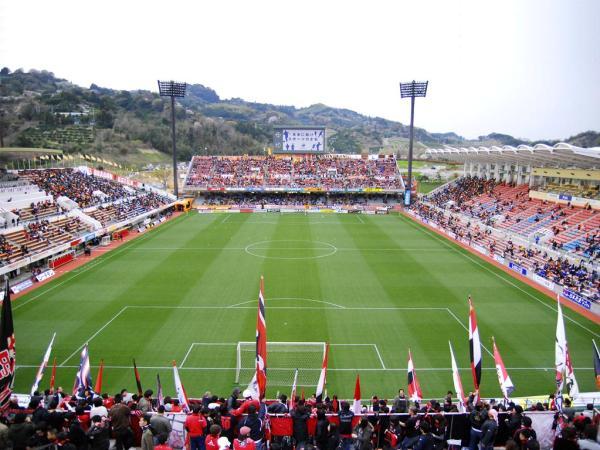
[539, 155]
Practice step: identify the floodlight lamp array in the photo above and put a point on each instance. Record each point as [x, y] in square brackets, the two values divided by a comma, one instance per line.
[171, 88]
[413, 89]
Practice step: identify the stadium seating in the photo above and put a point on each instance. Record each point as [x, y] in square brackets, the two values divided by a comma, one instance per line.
[326, 173]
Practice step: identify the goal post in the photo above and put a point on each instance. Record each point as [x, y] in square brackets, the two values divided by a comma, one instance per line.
[283, 358]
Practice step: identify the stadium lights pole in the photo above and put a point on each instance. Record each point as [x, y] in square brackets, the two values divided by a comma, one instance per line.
[412, 89]
[174, 90]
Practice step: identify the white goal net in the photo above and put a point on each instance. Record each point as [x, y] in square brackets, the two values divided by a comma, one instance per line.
[283, 358]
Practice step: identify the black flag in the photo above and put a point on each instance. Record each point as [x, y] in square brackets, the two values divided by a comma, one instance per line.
[7, 350]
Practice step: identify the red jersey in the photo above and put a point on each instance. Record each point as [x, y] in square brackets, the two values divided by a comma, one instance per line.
[195, 425]
[244, 408]
[162, 447]
[248, 444]
[212, 442]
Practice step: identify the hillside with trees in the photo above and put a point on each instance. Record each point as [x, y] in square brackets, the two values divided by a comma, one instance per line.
[38, 109]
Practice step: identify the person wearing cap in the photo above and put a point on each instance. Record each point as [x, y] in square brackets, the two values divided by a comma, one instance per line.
[243, 441]
[489, 430]
[224, 443]
[243, 409]
[514, 422]
[195, 424]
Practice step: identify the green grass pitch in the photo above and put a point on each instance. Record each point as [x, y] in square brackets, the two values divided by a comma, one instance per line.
[383, 281]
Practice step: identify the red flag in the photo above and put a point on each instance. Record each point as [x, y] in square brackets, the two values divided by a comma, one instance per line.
[53, 376]
[181, 395]
[357, 407]
[596, 364]
[414, 389]
[506, 384]
[98, 387]
[7, 349]
[138, 382]
[323, 376]
[474, 349]
[302, 396]
[258, 385]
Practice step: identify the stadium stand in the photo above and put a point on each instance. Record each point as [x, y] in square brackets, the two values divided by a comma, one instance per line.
[327, 172]
[57, 207]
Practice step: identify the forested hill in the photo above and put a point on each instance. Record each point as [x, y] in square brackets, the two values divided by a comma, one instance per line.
[37, 109]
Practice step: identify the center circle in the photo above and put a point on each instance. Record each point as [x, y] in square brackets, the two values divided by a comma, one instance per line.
[291, 249]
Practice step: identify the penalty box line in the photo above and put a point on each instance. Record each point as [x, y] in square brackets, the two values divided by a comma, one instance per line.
[193, 344]
[235, 306]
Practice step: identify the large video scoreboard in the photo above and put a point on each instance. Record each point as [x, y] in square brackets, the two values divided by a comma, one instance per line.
[299, 140]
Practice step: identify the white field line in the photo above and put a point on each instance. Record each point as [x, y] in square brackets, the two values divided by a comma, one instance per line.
[93, 335]
[90, 266]
[368, 369]
[336, 308]
[227, 217]
[290, 298]
[203, 343]
[444, 241]
[360, 219]
[346, 249]
[379, 355]
[464, 326]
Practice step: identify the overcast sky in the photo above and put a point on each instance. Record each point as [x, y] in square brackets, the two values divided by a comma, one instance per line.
[526, 68]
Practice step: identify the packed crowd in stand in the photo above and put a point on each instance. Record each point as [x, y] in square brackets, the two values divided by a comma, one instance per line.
[79, 187]
[509, 207]
[324, 172]
[581, 278]
[40, 226]
[88, 421]
[294, 199]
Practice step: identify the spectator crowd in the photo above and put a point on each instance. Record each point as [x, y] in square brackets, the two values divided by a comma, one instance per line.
[56, 420]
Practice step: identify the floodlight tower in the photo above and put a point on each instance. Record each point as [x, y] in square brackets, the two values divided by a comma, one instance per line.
[412, 89]
[174, 90]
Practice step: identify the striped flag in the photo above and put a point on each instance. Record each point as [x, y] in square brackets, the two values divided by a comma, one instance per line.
[40, 373]
[357, 407]
[83, 379]
[258, 385]
[53, 375]
[323, 376]
[565, 376]
[7, 349]
[159, 392]
[474, 349]
[570, 380]
[98, 387]
[506, 384]
[181, 395]
[596, 364]
[414, 389]
[138, 381]
[293, 396]
[560, 348]
[460, 393]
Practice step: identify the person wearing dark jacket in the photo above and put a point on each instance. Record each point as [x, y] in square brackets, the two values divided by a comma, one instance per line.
[20, 431]
[77, 435]
[345, 416]
[513, 423]
[489, 430]
[363, 433]
[411, 429]
[321, 430]
[400, 402]
[98, 434]
[425, 441]
[278, 407]
[254, 423]
[333, 437]
[476, 419]
[300, 415]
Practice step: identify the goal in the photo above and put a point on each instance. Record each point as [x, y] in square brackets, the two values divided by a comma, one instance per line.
[283, 358]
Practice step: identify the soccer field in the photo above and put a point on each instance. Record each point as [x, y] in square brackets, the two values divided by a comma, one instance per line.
[372, 286]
